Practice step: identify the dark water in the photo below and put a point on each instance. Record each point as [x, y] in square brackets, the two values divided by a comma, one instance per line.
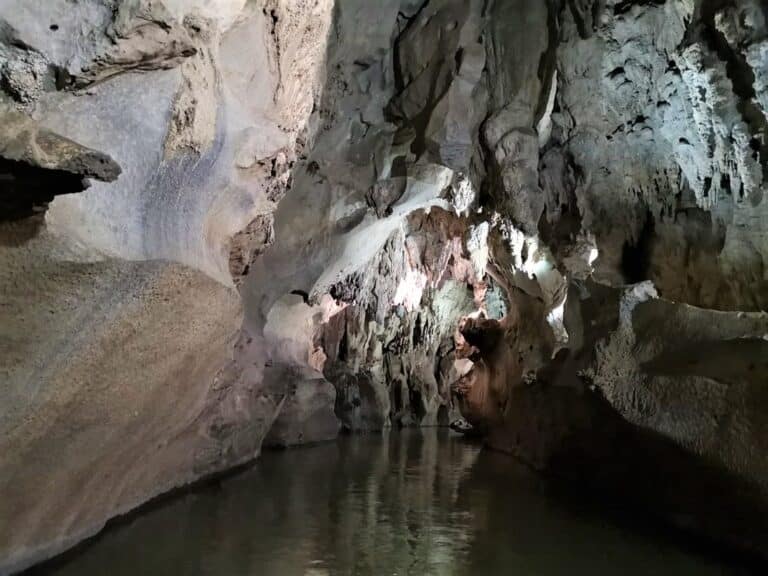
[400, 504]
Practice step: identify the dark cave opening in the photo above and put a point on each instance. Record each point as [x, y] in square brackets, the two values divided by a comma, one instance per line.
[636, 257]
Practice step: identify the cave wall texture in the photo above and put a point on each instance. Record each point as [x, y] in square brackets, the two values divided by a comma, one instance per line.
[228, 223]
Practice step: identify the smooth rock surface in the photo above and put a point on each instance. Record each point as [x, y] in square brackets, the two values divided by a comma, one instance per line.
[120, 344]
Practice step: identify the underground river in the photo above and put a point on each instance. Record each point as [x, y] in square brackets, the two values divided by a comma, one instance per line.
[402, 503]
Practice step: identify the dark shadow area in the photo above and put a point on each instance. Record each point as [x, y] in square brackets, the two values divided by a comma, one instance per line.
[25, 192]
[729, 361]
[636, 258]
[642, 478]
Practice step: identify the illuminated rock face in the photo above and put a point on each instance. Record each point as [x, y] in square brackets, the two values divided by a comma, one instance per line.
[120, 325]
[547, 217]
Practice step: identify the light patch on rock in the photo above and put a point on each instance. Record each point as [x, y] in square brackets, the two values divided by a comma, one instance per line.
[477, 245]
[410, 290]
[290, 327]
[462, 195]
[544, 127]
[555, 320]
[463, 366]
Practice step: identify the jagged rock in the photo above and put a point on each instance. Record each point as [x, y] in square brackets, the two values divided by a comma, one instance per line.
[193, 126]
[38, 164]
[249, 244]
[390, 350]
[684, 372]
[657, 124]
[24, 74]
[641, 395]
[596, 134]
[95, 40]
[24, 141]
[143, 35]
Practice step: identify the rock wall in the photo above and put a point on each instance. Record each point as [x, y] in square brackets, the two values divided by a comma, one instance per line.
[360, 289]
[559, 145]
[662, 116]
[144, 148]
[644, 152]
[614, 143]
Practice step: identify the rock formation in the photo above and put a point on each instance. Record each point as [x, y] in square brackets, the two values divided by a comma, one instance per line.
[120, 325]
[306, 215]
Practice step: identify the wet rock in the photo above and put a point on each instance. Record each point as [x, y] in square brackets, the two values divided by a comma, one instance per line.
[307, 414]
[463, 427]
[644, 372]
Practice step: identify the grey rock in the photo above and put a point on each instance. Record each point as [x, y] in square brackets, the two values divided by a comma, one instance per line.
[24, 140]
[307, 414]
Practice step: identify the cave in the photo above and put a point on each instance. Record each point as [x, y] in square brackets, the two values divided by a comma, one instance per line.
[326, 287]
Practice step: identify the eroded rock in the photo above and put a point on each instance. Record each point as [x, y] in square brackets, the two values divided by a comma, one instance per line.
[37, 164]
[126, 372]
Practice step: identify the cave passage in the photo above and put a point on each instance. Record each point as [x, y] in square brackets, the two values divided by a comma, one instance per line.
[233, 227]
[410, 502]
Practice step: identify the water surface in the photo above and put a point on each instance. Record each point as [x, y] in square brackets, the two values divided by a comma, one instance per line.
[400, 504]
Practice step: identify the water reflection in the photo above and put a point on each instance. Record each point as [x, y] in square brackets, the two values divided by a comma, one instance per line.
[394, 505]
